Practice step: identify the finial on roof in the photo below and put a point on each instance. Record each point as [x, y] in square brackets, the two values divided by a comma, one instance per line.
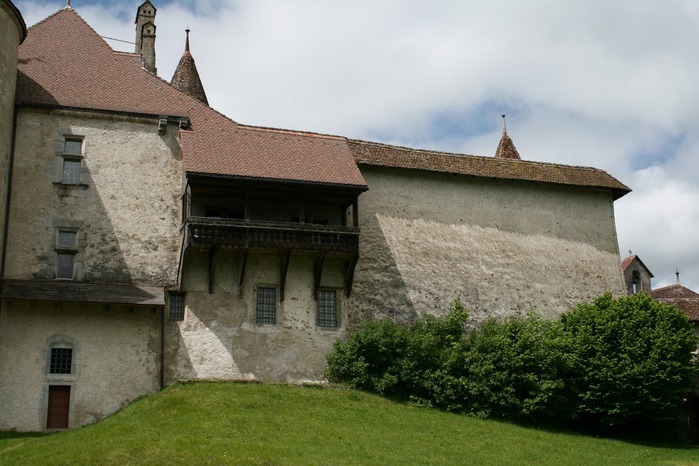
[677, 272]
[630, 252]
[68, 4]
[186, 44]
[506, 149]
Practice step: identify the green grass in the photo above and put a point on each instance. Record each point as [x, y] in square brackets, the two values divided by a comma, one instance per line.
[231, 423]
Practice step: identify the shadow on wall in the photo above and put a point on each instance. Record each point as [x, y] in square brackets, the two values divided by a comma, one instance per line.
[379, 289]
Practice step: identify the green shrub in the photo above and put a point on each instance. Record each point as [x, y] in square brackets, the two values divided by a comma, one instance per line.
[370, 358]
[517, 368]
[633, 360]
[385, 358]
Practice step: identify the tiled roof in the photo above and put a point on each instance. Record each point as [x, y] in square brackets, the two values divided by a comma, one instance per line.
[186, 77]
[382, 155]
[272, 154]
[64, 63]
[630, 259]
[683, 298]
[506, 148]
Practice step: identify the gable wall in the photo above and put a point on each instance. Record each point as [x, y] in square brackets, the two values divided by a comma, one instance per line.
[126, 210]
[503, 247]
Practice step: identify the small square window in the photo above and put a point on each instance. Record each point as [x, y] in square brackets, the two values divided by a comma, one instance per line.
[61, 361]
[176, 301]
[266, 305]
[66, 264]
[327, 308]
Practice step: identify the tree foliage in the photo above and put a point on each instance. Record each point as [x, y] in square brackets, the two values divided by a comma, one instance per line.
[633, 359]
[608, 363]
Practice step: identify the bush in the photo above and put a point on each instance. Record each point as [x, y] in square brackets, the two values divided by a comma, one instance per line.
[369, 359]
[633, 360]
[517, 368]
[385, 358]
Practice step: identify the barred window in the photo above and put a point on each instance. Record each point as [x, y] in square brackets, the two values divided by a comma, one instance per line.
[266, 305]
[176, 306]
[327, 308]
[67, 239]
[61, 361]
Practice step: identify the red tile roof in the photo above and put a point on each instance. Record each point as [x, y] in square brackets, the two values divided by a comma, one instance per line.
[382, 155]
[186, 77]
[628, 260]
[64, 63]
[506, 148]
[683, 298]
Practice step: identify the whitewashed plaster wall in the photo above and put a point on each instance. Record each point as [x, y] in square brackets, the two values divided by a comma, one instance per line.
[115, 359]
[219, 337]
[127, 208]
[503, 247]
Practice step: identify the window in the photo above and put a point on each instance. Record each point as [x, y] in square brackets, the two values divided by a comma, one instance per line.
[66, 248]
[176, 306]
[72, 153]
[266, 305]
[327, 308]
[61, 361]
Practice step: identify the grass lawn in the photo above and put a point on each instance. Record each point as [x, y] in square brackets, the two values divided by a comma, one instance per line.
[258, 424]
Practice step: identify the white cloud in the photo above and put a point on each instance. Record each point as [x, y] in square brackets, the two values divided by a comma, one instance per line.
[599, 83]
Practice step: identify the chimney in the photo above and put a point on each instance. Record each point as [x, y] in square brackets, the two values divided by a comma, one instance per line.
[145, 35]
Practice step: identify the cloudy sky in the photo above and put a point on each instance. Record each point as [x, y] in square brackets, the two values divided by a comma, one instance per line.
[611, 84]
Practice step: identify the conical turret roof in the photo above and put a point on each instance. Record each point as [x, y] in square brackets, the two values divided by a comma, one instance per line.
[186, 77]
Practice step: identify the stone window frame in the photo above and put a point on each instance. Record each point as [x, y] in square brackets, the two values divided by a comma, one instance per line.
[262, 315]
[61, 342]
[65, 158]
[326, 321]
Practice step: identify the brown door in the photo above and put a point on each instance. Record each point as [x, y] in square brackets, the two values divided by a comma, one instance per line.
[59, 405]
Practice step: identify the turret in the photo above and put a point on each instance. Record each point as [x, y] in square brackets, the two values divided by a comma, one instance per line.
[506, 148]
[186, 77]
[145, 35]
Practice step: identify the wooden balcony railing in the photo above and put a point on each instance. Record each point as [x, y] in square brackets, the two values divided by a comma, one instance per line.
[247, 234]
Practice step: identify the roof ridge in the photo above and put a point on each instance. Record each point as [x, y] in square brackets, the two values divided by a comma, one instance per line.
[290, 131]
[485, 157]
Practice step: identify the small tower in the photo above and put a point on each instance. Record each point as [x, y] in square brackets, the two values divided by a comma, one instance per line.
[506, 149]
[186, 77]
[145, 35]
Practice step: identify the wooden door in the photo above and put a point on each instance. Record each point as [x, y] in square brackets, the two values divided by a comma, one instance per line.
[59, 406]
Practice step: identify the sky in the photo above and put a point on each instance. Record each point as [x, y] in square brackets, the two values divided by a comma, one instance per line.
[611, 84]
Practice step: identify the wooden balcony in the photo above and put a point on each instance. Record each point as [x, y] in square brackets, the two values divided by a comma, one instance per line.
[277, 236]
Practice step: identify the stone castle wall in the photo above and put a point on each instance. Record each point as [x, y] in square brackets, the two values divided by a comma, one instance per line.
[220, 339]
[126, 209]
[10, 37]
[503, 247]
[115, 359]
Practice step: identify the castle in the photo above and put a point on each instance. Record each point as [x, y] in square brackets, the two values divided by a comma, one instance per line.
[147, 238]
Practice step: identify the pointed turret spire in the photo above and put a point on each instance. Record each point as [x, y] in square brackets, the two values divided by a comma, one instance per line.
[506, 149]
[186, 77]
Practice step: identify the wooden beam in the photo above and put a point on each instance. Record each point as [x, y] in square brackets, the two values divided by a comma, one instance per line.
[317, 274]
[212, 267]
[242, 264]
[284, 267]
[355, 213]
[349, 274]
